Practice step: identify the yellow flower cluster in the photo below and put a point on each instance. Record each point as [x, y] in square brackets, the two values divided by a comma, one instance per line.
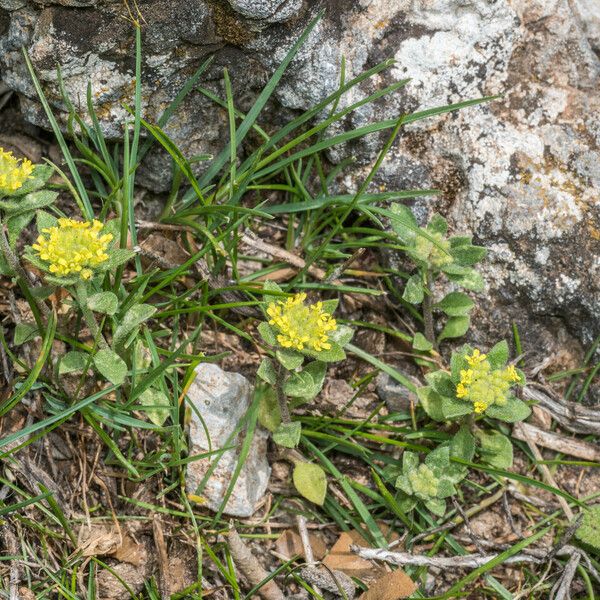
[483, 386]
[300, 325]
[73, 247]
[13, 172]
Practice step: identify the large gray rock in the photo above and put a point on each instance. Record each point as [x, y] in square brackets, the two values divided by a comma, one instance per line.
[521, 173]
[220, 400]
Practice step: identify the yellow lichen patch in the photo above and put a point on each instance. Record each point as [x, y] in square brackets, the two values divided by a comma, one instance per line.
[300, 325]
[13, 172]
[73, 247]
[484, 386]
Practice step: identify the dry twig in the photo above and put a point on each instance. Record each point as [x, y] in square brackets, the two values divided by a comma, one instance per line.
[571, 415]
[164, 580]
[251, 568]
[292, 259]
[556, 441]
[468, 561]
[12, 548]
[547, 475]
[560, 591]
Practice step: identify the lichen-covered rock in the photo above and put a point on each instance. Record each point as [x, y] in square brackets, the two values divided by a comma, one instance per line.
[219, 401]
[521, 172]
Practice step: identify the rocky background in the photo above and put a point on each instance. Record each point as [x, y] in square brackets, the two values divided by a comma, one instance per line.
[521, 173]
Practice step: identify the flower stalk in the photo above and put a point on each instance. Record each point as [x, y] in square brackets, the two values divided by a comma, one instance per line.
[428, 310]
[88, 316]
[282, 400]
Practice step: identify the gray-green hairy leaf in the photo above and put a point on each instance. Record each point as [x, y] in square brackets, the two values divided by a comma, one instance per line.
[103, 302]
[421, 343]
[266, 371]
[156, 405]
[288, 434]
[73, 362]
[495, 449]
[455, 327]
[267, 333]
[413, 290]
[498, 355]
[134, 317]
[456, 304]
[25, 332]
[514, 410]
[110, 365]
[290, 359]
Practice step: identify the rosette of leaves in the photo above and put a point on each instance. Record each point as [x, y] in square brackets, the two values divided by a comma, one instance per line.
[293, 376]
[20, 206]
[433, 480]
[435, 253]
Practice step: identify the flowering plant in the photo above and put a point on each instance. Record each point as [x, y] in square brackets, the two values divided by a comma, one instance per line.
[478, 386]
[303, 338]
[429, 482]
[76, 255]
[432, 481]
[73, 247]
[69, 251]
[13, 172]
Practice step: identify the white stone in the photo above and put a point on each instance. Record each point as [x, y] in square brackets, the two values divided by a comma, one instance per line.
[219, 401]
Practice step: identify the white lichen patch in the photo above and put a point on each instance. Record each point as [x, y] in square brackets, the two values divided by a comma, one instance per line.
[541, 255]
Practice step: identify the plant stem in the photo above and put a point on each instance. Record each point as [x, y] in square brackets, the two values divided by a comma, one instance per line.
[281, 397]
[428, 310]
[23, 280]
[88, 315]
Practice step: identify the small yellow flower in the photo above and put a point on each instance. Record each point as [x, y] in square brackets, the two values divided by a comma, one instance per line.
[461, 391]
[480, 407]
[466, 377]
[511, 373]
[73, 247]
[300, 325]
[475, 358]
[13, 172]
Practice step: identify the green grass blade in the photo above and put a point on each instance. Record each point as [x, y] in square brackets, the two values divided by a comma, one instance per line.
[359, 505]
[256, 109]
[87, 209]
[37, 367]
[393, 373]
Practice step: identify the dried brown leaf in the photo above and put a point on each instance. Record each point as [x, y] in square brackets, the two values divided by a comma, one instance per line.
[343, 559]
[391, 586]
[98, 540]
[289, 544]
[130, 552]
